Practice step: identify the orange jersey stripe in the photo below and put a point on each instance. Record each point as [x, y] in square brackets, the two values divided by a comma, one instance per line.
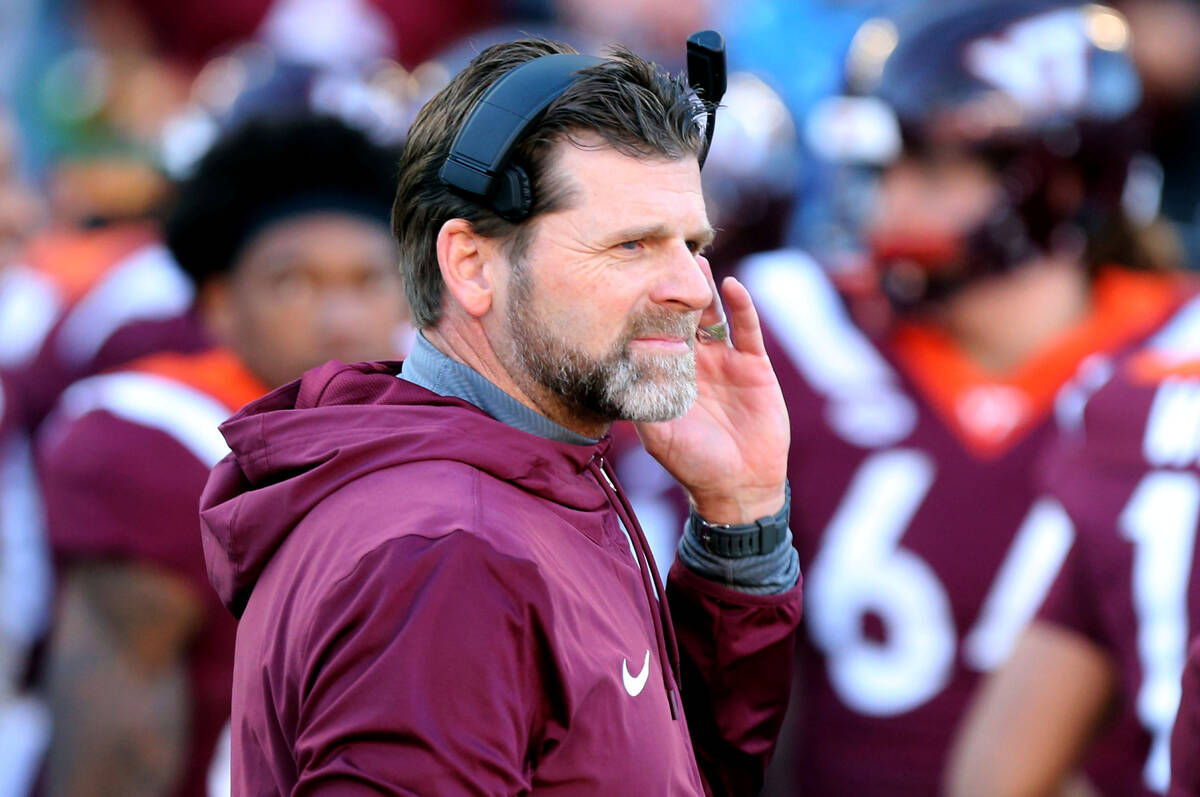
[1151, 367]
[217, 372]
[75, 260]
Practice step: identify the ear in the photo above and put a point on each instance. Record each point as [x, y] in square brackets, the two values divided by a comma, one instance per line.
[468, 262]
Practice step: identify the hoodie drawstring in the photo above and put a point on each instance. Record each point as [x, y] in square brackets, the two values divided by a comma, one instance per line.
[664, 629]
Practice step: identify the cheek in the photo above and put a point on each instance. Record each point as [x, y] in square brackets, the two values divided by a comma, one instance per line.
[275, 330]
[386, 307]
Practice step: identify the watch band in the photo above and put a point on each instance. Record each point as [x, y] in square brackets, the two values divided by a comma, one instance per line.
[735, 541]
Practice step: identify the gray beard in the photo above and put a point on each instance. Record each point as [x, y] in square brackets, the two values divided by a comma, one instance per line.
[616, 386]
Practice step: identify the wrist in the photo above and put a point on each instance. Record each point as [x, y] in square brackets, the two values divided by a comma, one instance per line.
[734, 541]
[745, 506]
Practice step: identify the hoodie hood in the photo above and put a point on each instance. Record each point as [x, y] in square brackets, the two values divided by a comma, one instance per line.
[295, 446]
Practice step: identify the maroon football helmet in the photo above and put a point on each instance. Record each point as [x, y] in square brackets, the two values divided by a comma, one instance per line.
[1042, 92]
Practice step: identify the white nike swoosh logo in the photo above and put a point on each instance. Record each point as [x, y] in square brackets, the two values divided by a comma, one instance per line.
[635, 684]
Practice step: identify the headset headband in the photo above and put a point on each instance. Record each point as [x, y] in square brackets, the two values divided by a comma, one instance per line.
[502, 116]
[478, 165]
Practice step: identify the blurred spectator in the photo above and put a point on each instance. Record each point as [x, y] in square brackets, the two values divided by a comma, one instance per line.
[93, 65]
[283, 228]
[192, 31]
[654, 30]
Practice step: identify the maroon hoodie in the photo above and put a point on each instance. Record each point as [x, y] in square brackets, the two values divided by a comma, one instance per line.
[433, 602]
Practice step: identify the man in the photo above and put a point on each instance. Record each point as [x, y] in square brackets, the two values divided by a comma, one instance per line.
[283, 229]
[442, 589]
[995, 239]
[1107, 650]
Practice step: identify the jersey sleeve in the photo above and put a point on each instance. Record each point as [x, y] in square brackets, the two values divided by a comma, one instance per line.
[437, 681]
[736, 653]
[1069, 604]
[114, 488]
[1091, 469]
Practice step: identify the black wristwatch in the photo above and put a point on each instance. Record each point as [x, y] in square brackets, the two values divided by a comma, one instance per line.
[735, 541]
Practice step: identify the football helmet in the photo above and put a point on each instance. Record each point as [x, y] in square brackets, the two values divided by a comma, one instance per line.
[1042, 91]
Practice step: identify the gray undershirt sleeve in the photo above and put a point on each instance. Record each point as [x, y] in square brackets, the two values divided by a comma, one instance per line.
[765, 574]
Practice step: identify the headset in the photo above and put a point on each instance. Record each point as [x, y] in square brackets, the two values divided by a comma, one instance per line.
[479, 165]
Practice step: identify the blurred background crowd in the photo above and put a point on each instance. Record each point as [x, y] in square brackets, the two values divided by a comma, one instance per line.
[194, 207]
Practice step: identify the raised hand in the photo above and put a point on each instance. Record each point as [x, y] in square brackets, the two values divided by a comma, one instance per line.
[729, 451]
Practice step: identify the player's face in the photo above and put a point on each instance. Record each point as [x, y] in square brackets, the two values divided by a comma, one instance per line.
[935, 198]
[601, 313]
[312, 288]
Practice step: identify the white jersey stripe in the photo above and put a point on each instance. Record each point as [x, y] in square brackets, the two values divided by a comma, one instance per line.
[186, 414]
[1179, 339]
[29, 306]
[146, 286]
[793, 293]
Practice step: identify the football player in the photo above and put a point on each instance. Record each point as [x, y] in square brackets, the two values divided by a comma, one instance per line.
[1007, 256]
[1109, 644]
[283, 228]
[1000, 241]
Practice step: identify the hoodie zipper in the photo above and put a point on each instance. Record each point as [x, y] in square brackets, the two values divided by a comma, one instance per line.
[664, 628]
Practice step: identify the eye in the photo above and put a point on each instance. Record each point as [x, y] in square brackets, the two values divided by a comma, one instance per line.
[630, 246]
[291, 285]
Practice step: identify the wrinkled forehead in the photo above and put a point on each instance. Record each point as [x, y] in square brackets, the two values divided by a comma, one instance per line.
[604, 187]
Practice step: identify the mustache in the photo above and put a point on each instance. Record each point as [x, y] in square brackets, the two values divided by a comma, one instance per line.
[664, 323]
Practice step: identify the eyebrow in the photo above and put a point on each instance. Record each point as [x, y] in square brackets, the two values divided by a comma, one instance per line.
[702, 237]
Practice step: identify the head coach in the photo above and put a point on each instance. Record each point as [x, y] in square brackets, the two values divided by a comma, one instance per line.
[441, 586]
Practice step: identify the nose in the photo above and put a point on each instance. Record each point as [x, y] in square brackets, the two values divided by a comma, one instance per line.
[682, 281]
[340, 316]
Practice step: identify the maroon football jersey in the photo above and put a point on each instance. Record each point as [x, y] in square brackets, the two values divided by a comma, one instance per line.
[123, 461]
[916, 514]
[85, 301]
[1125, 469]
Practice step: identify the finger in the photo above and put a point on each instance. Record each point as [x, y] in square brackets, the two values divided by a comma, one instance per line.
[743, 318]
[712, 327]
[714, 313]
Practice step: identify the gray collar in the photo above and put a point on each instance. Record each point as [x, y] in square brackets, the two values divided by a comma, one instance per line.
[429, 368]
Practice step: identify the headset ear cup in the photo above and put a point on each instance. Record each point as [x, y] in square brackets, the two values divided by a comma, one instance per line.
[513, 196]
